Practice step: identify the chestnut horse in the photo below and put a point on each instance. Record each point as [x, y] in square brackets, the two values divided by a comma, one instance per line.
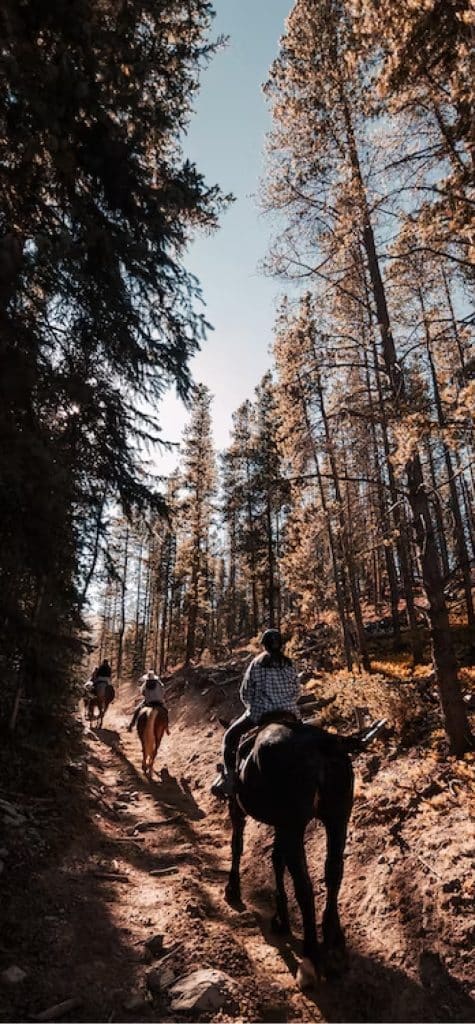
[152, 724]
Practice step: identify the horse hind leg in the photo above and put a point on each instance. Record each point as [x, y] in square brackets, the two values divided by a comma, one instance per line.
[293, 845]
[333, 937]
[161, 730]
[280, 922]
[145, 755]
[151, 759]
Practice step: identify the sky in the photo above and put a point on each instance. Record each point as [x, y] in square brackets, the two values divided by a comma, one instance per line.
[226, 141]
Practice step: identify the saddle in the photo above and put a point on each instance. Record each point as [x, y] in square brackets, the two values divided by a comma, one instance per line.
[247, 741]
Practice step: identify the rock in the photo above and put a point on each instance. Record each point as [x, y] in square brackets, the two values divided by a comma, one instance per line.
[201, 990]
[13, 975]
[1, 866]
[3, 852]
[136, 1003]
[193, 910]
[155, 945]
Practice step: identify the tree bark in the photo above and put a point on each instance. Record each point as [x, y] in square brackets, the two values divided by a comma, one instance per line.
[459, 536]
[123, 592]
[455, 715]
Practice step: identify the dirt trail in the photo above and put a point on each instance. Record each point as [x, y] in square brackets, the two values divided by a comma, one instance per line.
[409, 939]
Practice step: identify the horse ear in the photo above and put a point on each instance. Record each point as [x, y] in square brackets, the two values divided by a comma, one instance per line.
[224, 722]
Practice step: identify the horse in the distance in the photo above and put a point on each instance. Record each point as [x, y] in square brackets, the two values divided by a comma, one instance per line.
[152, 724]
[289, 774]
[96, 704]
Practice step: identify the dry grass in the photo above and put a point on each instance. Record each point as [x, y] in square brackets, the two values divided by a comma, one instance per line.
[399, 666]
[393, 690]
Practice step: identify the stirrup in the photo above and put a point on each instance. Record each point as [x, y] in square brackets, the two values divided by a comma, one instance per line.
[223, 787]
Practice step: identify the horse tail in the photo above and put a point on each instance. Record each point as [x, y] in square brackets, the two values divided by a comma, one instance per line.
[357, 742]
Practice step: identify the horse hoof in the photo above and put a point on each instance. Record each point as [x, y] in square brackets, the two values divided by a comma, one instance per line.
[306, 975]
[232, 895]
[278, 926]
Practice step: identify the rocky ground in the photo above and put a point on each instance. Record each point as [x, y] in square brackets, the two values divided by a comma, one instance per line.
[112, 886]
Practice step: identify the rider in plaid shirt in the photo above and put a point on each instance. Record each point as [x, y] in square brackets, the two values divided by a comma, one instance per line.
[269, 685]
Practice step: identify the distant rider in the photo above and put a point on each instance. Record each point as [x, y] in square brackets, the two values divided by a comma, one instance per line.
[270, 685]
[99, 680]
[153, 694]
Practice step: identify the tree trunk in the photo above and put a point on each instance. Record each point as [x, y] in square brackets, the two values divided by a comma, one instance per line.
[455, 715]
[347, 548]
[339, 590]
[123, 592]
[384, 517]
[270, 557]
[459, 536]
[250, 520]
[437, 513]
[95, 553]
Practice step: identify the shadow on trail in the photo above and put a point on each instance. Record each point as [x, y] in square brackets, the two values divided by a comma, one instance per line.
[166, 790]
[176, 794]
[373, 991]
[57, 919]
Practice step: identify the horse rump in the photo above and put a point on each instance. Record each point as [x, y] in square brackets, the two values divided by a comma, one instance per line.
[109, 693]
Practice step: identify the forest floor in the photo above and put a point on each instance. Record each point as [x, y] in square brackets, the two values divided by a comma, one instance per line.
[77, 934]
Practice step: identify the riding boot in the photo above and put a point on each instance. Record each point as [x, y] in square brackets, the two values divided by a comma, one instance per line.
[224, 785]
[135, 716]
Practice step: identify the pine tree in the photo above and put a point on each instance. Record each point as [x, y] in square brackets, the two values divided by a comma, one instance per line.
[198, 481]
[424, 73]
[97, 313]
[321, 156]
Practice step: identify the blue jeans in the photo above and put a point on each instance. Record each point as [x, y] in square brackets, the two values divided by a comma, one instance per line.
[231, 740]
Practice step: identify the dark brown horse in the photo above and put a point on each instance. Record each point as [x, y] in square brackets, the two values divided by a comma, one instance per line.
[96, 704]
[288, 775]
[152, 724]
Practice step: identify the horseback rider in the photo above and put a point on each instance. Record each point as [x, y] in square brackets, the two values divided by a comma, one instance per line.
[270, 686]
[101, 677]
[153, 695]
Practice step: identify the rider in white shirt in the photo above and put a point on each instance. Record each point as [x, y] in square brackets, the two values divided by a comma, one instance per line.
[153, 694]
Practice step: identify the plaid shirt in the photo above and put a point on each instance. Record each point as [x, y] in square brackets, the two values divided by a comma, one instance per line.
[270, 687]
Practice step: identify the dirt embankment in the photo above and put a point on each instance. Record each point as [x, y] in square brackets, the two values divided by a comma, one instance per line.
[109, 860]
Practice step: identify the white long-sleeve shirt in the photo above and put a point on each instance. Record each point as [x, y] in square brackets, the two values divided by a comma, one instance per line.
[155, 693]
